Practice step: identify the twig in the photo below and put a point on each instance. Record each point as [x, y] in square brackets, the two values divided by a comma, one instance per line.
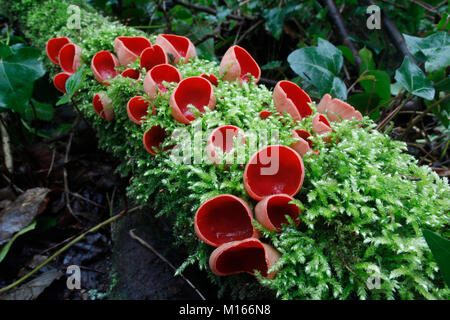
[249, 30]
[433, 150]
[393, 113]
[339, 22]
[421, 116]
[147, 245]
[427, 7]
[66, 180]
[9, 163]
[71, 243]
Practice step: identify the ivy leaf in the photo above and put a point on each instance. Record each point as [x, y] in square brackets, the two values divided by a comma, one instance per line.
[18, 71]
[319, 66]
[275, 21]
[432, 49]
[440, 248]
[367, 60]
[380, 85]
[414, 80]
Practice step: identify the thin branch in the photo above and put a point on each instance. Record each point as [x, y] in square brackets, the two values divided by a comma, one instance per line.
[421, 116]
[147, 245]
[335, 15]
[71, 243]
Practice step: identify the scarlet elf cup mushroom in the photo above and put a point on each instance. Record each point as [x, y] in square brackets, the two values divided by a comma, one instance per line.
[222, 219]
[193, 91]
[128, 49]
[274, 169]
[244, 256]
[103, 66]
[237, 64]
[153, 81]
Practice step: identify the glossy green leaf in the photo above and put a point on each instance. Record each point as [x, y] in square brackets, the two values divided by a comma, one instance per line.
[74, 82]
[367, 60]
[347, 54]
[434, 50]
[440, 248]
[18, 72]
[414, 80]
[380, 85]
[320, 66]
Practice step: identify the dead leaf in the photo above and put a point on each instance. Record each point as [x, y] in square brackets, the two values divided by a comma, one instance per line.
[20, 213]
[32, 289]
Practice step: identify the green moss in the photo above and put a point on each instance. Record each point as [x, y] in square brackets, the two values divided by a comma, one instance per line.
[364, 201]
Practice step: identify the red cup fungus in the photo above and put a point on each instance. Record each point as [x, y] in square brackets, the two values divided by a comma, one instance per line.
[224, 218]
[70, 58]
[222, 138]
[153, 81]
[59, 81]
[53, 47]
[176, 47]
[137, 109]
[131, 73]
[153, 138]
[264, 114]
[244, 256]
[195, 91]
[289, 97]
[103, 106]
[211, 78]
[303, 145]
[153, 56]
[270, 212]
[237, 63]
[103, 66]
[128, 49]
[274, 169]
[337, 110]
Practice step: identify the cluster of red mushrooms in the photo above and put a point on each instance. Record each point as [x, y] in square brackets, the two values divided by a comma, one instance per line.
[224, 221]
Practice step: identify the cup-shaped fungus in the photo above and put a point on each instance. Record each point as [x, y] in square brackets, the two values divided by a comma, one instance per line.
[274, 169]
[153, 138]
[303, 144]
[176, 47]
[289, 97]
[271, 211]
[153, 56]
[137, 109]
[211, 78]
[224, 218]
[128, 49]
[53, 47]
[103, 66]
[59, 81]
[320, 124]
[264, 114]
[337, 110]
[103, 106]
[131, 73]
[70, 58]
[244, 256]
[237, 63]
[222, 138]
[153, 81]
[193, 91]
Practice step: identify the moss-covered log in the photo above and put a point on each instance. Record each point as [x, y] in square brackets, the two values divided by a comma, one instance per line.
[362, 214]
